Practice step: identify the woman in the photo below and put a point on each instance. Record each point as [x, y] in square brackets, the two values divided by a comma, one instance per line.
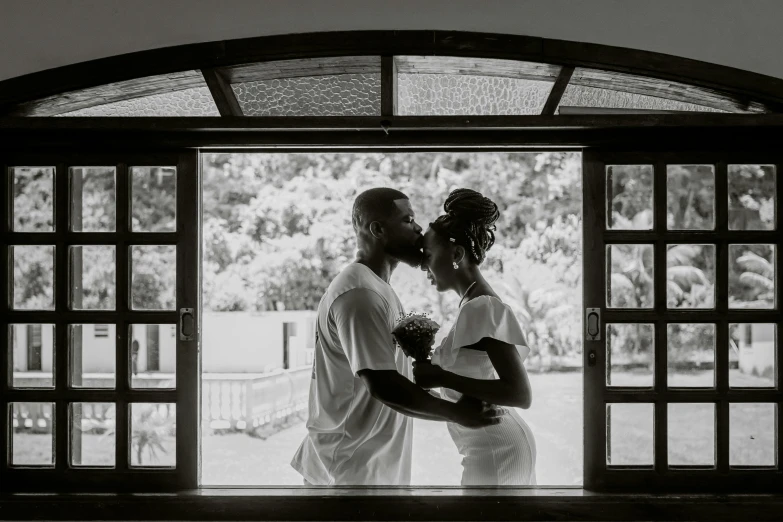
[482, 355]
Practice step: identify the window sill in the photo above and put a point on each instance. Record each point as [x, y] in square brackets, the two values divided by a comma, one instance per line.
[389, 504]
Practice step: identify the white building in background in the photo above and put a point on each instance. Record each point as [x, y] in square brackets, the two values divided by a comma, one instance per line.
[757, 349]
[253, 343]
[231, 342]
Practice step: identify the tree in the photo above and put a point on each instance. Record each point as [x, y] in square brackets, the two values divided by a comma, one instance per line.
[33, 211]
[278, 227]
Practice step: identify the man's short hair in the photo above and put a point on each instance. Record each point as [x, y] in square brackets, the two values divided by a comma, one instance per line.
[375, 204]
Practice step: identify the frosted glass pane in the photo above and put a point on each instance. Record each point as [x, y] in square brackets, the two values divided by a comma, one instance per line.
[196, 101]
[583, 96]
[332, 95]
[455, 95]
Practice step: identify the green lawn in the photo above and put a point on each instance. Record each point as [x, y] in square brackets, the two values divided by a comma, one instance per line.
[555, 418]
[97, 450]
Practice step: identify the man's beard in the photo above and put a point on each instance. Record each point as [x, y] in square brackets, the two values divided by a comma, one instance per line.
[409, 254]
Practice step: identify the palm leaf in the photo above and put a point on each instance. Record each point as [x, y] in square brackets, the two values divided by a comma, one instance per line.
[756, 263]
[682, 255]
[686, 276]
[621, 283]
[673, 290]
[757, 281]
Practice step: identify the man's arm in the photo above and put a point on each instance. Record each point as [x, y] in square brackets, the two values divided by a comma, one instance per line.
[362, 321]
[401, 395]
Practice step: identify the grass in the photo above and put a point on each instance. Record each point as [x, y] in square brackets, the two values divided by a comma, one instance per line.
[555, 418]
[556, 421]
[97, 450]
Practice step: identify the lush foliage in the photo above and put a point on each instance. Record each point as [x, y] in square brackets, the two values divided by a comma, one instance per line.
[277, 230]
[92, 271]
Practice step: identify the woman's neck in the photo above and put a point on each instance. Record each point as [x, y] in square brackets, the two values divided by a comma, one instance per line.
[468, 281]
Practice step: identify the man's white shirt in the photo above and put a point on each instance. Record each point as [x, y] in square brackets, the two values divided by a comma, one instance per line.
[354, 439]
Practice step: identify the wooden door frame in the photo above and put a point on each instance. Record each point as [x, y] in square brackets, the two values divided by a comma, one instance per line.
[62, 477]
[589, 134]
[596, 238]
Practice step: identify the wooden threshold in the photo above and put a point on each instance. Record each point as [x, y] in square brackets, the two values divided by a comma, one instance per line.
[448, 504]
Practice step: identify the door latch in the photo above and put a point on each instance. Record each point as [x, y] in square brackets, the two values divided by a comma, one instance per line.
[593, 324]
[187, 324]
[592, 331]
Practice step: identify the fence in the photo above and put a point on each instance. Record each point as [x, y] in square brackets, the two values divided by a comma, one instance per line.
[253, 402]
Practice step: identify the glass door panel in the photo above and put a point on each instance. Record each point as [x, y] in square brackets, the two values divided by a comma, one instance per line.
[682, 313]
[100, 376]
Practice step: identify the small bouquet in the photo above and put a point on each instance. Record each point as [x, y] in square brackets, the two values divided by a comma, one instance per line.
[415, 334]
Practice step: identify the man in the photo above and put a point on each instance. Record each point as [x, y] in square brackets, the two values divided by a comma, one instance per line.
[360, 430]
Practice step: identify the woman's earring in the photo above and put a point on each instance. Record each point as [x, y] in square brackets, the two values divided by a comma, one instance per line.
[456, 266]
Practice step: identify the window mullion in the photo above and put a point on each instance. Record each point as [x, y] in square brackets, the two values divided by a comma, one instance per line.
[61, 367]
[722, 325]
[660, 422]
[121, 348]
[388, 86]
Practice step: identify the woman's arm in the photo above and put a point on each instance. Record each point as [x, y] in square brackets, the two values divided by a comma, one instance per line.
[511, 388]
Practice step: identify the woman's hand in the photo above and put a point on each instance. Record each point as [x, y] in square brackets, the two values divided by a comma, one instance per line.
[428, 375]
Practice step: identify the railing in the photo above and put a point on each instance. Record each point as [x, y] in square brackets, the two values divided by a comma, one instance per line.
[253, 403]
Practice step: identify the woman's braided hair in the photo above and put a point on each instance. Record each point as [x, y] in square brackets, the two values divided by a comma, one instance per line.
[469, 221]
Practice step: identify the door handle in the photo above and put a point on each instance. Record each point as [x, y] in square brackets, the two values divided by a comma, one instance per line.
[593, 324]
[592, 331]
[187, 324]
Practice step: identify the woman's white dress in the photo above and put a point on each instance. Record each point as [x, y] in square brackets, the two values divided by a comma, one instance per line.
[502, 454]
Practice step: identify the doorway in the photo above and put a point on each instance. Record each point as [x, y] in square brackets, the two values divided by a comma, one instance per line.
[276, 230]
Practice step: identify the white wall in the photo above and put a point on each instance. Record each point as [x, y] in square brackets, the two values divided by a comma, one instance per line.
[41, 34]
[232, 342]
[245, 342]
[99, 354]
[758, 357]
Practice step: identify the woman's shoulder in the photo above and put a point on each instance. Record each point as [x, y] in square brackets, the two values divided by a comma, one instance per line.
[483, 316]
[485, 301]
[485, 309]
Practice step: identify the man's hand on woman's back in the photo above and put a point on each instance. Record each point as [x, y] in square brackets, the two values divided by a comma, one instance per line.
[400, 394]
[475, 413]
